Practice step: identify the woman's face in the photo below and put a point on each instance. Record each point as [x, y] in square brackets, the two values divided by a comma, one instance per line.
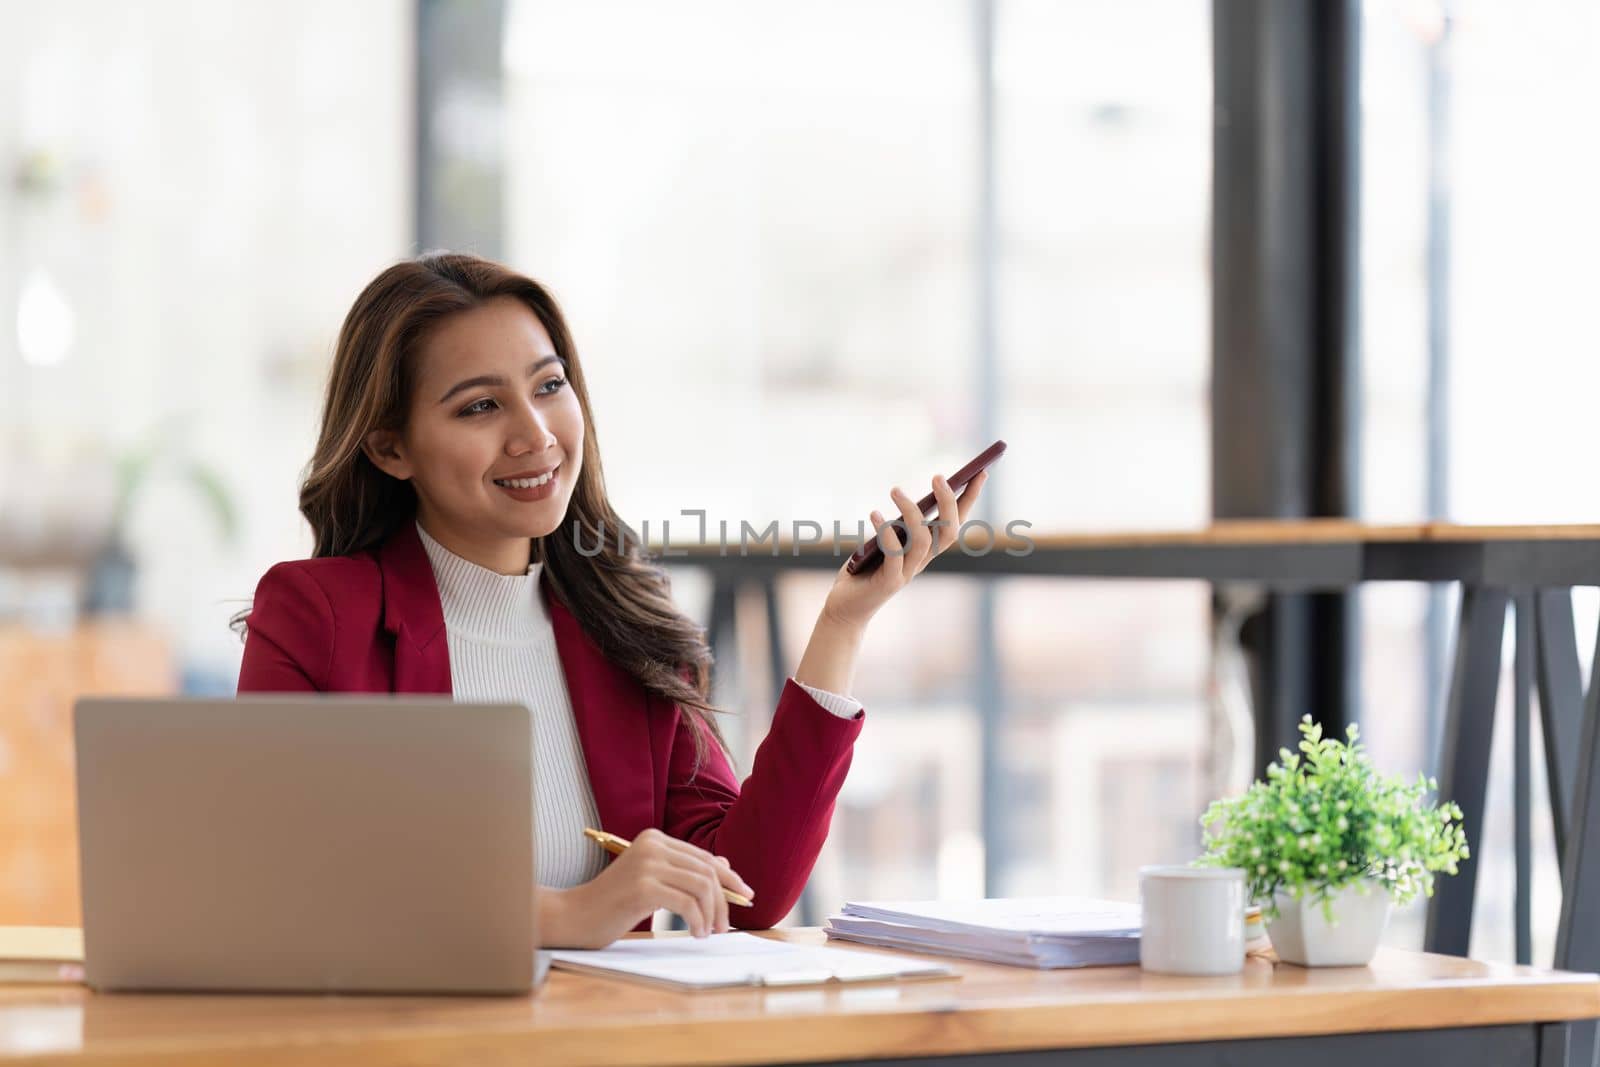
[494, 440]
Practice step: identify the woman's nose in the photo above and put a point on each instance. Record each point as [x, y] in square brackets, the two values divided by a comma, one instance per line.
[530, 435]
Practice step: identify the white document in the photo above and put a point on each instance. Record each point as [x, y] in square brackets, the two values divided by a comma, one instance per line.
[1031, 916]
[740, 959]
[1026, 931]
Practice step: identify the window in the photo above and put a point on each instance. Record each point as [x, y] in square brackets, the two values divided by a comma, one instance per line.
[762, 220]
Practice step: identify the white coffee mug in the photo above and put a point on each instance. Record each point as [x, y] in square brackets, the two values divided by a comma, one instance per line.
[1191, 920]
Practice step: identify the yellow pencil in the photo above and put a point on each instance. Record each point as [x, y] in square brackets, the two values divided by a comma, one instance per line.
[618, 845]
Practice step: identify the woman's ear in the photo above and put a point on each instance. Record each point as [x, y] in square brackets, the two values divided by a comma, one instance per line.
[386, 451]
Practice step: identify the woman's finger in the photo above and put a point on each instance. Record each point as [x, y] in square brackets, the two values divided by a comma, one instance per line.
[700, 878]
[888, 540]
[686, 906]
[717, 866]
[679, 848]
[724, 871]
[921, 539]
[969, 495]
[719, 902]
[949, 515]
[699, 883]
[731, 879]
[716, 869]
[681, 852]
[709, 891]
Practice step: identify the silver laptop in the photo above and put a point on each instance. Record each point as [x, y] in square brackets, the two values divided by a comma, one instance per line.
[345, 844]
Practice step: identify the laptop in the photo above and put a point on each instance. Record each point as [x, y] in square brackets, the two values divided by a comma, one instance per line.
[326, 844]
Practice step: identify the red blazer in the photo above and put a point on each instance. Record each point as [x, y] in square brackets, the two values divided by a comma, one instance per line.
[373, 623]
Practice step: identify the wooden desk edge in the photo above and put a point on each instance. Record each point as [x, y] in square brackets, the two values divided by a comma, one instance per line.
[798, 1038]
[872, 1035]
[926, 1027]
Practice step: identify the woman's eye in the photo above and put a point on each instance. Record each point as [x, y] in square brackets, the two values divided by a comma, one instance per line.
[484, 406]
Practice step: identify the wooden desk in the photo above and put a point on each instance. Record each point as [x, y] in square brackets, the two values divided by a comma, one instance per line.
[1407, 1008]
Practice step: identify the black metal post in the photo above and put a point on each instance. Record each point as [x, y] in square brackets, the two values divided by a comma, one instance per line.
[1522, 775]
[1578, 936]
[1285, 324]
[459, 148]
[720, 624]
[1560, 682]
[1464, 760]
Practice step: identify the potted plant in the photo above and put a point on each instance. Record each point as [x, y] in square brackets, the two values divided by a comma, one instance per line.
[1327, 844]
[110, 585]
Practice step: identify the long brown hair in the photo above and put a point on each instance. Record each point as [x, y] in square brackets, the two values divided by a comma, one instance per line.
[619, 597]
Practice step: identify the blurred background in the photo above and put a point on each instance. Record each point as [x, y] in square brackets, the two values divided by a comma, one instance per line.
[808, 252]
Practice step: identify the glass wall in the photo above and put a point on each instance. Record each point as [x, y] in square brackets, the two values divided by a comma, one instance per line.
[199, 192]
[1504, 96]
[192, 195]
[1103, 169]
[763, 222]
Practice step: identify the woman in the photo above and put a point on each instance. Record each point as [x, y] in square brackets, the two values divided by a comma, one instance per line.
[457, 500]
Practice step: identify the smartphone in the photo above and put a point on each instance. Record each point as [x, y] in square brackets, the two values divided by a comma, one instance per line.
[869, 556]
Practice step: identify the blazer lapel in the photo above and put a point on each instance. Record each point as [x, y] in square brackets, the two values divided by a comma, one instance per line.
[413, 613]
[612, 712]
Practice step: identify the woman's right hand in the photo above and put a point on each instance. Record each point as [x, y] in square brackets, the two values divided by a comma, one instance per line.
[656, 871]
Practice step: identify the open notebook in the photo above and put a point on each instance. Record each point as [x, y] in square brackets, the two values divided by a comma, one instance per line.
[721, 961]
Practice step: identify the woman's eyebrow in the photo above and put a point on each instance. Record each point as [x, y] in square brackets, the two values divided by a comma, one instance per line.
[498, 380]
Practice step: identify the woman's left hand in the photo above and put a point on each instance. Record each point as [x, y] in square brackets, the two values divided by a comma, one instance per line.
[855, 598]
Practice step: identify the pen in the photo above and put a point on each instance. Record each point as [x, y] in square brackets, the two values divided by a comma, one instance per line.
[618, 845]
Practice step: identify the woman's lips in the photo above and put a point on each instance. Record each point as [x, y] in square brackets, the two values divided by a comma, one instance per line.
[538, 492]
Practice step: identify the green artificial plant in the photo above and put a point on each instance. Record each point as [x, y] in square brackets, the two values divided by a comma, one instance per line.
[1325, 819]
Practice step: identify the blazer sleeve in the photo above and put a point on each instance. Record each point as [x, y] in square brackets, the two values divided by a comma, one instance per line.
[773, 828]
[288, 643]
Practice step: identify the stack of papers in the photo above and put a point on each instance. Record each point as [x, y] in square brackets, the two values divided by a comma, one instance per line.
[1026, 931]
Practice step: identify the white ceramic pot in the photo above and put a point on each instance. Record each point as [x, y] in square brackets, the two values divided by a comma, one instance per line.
[1300, 934]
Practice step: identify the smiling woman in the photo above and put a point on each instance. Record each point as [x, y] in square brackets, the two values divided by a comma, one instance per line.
[457, 442]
